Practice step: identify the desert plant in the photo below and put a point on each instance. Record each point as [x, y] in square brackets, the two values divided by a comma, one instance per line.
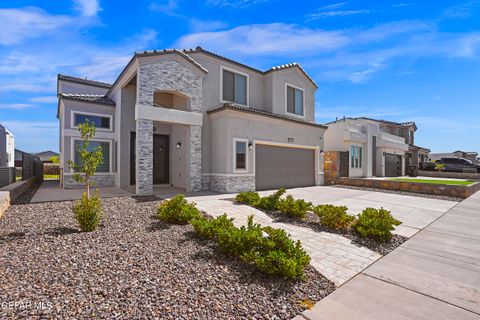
[295, 208]
[376, 224]
[88, 211]
[270, 202]
[439, 167]
[333, 217]
[177, 210]
[209, 228]
[248, 197]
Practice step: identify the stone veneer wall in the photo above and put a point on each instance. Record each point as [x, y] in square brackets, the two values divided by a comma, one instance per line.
[167, 75]
[436, 189]
[331, 164]
[102, 180]
[232, 184]
[4, 202]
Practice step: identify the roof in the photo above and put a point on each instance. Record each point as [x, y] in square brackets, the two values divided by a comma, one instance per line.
[419, 148]
[91, 98]
[169, 51]
[235, 107]
[45, 152]
[398, 124]
[84, 81]
[291, 65]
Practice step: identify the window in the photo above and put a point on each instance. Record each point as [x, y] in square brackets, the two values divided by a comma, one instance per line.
[105, 165]
[234, 87]
[294, 101]
[240, 154]
[356, 157]
[98, 121]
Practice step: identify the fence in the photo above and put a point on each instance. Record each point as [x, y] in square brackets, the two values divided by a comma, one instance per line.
[51, 171]
[7, 176]
[31, 167]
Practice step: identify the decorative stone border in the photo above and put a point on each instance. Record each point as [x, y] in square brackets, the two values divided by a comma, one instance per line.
[454, 175]
[17, 189]
[428, 188]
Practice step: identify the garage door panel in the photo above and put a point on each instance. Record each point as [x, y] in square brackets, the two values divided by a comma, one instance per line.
[277, 167]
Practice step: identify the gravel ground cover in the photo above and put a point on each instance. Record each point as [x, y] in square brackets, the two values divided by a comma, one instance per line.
[414, 194]
[132, 267]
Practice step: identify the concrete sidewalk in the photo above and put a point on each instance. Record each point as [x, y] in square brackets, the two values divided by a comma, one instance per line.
[434, 275]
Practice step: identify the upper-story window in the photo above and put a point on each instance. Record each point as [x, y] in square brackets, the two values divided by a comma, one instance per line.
[295, 102]
[234, 87]
[100, 122]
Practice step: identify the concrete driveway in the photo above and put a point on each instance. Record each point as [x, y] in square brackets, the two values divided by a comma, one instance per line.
[334, 256]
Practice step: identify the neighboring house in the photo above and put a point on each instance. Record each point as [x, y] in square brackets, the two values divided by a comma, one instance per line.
[195, 120]
[470, 155]
[374, 148]
[7, 148]
[45, 156]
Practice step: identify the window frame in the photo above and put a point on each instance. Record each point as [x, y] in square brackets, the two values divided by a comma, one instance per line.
[356, 158]
[247, 85]
[73, 150]
[75, 112]
[286, 100]
[235, 170]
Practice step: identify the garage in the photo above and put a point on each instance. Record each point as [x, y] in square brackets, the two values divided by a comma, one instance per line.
[286, 167]
[393, 165]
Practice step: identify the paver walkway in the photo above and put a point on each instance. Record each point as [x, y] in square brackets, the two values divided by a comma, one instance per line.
[434, 275]
[332, 255]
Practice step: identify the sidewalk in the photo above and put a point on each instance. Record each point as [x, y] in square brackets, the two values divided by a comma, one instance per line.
[434, 275]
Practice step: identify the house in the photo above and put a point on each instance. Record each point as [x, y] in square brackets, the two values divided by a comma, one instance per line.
[372, 147]
[45, 156]
[7, 148]
[195, 120]
[470, 155]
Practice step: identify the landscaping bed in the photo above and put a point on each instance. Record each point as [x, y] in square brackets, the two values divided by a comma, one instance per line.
[436, 181]
[133, 266]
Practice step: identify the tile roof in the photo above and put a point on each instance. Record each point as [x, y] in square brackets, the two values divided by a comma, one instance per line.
[291, 65]
[84, 81]
[92, 98]
[235, 107]
[398, 124]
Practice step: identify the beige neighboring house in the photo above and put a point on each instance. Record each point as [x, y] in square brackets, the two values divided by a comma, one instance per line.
[196, 120]
[374, 148]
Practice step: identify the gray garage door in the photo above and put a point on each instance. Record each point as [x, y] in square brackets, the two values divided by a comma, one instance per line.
[277, 167]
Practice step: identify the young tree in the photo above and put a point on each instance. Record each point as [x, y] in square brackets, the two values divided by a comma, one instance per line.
[54, 159]
[89, 160]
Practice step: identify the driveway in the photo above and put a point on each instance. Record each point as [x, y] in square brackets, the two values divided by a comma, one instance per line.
[334, 256]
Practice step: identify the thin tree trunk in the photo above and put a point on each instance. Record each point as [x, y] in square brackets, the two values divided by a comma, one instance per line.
[87, 182]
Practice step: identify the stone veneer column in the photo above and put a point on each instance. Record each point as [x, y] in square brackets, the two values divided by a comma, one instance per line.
[195, 159]
[144, 157]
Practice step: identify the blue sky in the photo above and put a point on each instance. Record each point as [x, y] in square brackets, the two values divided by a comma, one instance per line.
[399, 61]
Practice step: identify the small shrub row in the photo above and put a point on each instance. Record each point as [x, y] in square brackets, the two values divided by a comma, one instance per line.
[371, 223]
[270, 250]
[177, 210]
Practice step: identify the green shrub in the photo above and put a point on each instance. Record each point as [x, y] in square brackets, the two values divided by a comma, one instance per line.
[88, 212]
[248, 197]
[209, 228]
[376, 224]
[334, 217]
[270, 202]
[294, 208]
[177, 210]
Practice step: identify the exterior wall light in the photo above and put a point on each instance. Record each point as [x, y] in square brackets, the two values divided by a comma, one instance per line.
[250, 146]
[179, 145]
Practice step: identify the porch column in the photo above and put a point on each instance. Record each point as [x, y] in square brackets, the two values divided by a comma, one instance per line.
[144, 157]
[194, 182]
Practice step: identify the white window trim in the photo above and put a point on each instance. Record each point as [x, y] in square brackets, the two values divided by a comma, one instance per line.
[72, 121]
[221, 86]
[72, 153]
[235, 170]
[303, 100]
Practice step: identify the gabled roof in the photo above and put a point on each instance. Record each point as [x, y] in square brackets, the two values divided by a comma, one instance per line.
[91, 98]
[386, 122]
[291, 65]
[235, 107]
[83, 81]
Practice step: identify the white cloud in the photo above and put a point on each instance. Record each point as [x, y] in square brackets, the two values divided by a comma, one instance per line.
[276, 38]
[28, 22]
[34, 136]
[44, 99]
[168, 8]
[461, 11]
[234, 3]
[88, 8]
[15, 106]
[332, 6]
[340, 13]
[206, 25]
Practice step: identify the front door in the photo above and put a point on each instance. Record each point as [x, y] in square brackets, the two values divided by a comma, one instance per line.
[161, 159]
[393, 165]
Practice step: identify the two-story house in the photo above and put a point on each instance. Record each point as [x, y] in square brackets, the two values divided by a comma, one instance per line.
[374, 148]
[195, 120]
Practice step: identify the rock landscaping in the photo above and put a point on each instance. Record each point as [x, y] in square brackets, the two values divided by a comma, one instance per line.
[133, 266]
